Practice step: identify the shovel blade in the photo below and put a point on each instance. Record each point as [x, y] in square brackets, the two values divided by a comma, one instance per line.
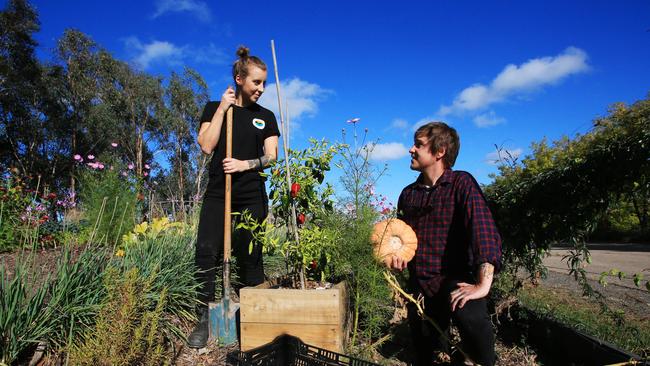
[223, 321]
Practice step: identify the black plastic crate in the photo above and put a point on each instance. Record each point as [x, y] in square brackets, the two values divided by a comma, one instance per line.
[287, 350]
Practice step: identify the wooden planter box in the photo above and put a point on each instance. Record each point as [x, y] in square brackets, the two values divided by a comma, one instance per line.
[317, 317]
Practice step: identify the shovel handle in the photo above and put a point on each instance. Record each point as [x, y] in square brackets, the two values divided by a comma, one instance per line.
[227, 219]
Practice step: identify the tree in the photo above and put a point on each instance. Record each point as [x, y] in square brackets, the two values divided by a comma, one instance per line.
[184, 97]
[20, 76]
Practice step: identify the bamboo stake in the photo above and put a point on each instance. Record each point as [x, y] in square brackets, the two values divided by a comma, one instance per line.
[285, 141]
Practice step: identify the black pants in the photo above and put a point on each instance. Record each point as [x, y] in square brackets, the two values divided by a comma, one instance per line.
[472, 320]
[209, 246]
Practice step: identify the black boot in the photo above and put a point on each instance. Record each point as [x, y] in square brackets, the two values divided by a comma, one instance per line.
[199, 336]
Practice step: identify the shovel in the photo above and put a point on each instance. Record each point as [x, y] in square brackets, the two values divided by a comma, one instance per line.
[223, 325]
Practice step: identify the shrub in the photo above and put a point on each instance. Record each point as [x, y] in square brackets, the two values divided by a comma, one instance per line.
[168, 260]
[127, 328]
[109, 200]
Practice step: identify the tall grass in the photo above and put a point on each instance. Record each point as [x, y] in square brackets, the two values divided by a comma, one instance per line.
[52, 310]
[169, 261]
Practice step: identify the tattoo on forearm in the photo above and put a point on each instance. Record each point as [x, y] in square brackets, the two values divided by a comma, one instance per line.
[486, 271]
[258, 163]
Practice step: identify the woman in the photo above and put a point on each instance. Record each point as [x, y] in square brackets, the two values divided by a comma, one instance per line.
[254, 146]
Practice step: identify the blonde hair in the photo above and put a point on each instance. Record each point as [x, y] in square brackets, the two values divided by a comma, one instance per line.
[240, 67]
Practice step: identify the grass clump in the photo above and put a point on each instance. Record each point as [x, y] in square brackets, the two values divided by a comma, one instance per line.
[580, 313]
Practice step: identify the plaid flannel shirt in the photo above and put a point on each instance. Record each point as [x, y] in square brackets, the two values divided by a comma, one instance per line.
[455, 229]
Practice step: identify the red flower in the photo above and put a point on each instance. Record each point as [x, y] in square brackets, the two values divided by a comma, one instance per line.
[385, 211]
[51, 196]
[295, 188]
[301, 218]
[313, 264]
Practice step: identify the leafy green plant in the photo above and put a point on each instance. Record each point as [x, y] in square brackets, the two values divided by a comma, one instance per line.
[307, 248]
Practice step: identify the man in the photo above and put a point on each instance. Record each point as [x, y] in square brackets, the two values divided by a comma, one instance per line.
[459, 249]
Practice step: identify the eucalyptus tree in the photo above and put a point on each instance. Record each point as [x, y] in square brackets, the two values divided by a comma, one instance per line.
[185, 95]
[20, 78]
[133, 101]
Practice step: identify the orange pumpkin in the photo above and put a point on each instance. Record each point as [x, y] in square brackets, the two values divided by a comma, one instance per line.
[393, 237]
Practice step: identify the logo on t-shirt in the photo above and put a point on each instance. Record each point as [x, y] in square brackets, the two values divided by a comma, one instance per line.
[259, 123]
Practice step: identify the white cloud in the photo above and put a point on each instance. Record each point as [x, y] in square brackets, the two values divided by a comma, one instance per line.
[388, 151]
[514, 80]
[198, 8]
[300, 99]
[488, 119]
[211, 55]
[163, 52]
[155, 51]
[496, 157]
[399, 124]
[425, 120]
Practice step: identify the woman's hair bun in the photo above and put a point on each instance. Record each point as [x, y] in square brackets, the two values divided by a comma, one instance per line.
[243, 52]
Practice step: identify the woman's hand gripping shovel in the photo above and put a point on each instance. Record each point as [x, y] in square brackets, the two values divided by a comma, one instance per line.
[223, 324]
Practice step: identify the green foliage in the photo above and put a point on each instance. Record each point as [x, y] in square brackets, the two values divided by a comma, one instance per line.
[127, 328]
[22, 322]
[559, 192]
[54, 309]
[632, 335]
[167, 261]
[312, 201]
[13, 201]
[109, 202]
[354, 260]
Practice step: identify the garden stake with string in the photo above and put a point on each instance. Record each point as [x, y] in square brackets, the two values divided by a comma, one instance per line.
[223, 325]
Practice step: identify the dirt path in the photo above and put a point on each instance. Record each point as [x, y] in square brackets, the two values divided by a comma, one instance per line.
[623, 294]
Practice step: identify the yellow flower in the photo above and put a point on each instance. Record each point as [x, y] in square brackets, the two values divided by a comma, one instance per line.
[120, 253]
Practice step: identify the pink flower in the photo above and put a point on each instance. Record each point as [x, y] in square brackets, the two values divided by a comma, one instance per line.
[124, 174]
[100, 166]
[77, 157]
[146, 166]
[145, 174]
[114, 144]
[385, 211]
[130, 166]
[91, 157]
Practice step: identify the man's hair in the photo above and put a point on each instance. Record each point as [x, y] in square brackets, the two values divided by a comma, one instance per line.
[441, 137]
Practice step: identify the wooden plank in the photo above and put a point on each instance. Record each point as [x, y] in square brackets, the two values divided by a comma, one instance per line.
[329, 337]
[291, 306]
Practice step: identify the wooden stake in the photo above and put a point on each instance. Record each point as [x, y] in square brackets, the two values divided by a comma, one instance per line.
[294, 224]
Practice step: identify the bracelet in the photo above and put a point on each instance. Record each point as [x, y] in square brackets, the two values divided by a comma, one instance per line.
[260, 161]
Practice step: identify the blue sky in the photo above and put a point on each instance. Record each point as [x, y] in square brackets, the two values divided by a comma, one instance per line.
[507, 73]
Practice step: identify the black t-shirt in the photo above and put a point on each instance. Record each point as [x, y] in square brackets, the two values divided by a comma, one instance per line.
[251, 126]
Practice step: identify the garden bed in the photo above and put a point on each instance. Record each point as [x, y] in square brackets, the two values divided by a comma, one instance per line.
[317, 317]
[556, 343]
